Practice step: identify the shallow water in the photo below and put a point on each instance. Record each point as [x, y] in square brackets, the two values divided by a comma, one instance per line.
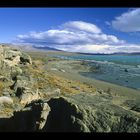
[123, 70]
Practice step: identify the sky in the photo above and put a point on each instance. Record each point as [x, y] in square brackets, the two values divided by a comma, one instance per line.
[90, 30]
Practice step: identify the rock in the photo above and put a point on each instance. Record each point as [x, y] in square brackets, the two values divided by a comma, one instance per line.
[15, 71]
[12, 62]
[125, 70]
[62, 70]
[23, 89]
[54, 69]
[17, 107]
[26, 95]
[21, 81]
[31, 118]
[6, 100]
[50, 93]
[43, 115]
[136, 108]
[54, 92]
[89, 113]
[75, 113]
[25, 59]
[11, 57]
[75, 87]
[3, 79]
[20, 84]
[11, 54]
[20, 91]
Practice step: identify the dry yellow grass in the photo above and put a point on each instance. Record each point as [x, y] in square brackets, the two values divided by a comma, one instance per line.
[69, 86]
[51, 80]
[39, 74]
[6, 111]
[1, 85]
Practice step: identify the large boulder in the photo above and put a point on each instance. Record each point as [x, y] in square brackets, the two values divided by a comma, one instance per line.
[89, 113]
[12, 62]
[26, 95]
[6, 100]
[25, 59]
[11, 54]
[32, 118]
[29, 96]
[10, 57]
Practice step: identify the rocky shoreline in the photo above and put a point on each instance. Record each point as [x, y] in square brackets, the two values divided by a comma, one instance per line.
[33, 98]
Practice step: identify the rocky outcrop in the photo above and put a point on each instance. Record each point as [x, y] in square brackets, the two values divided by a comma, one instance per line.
[17, 90]
[32, 118]
[26, 95]
[11, 62]
[13, 79]
[10, 57]
[75, 113]
[25, 59]
[87, 113]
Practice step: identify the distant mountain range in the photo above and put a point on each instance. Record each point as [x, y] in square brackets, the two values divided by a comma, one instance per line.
[30, 47]
[46, 48]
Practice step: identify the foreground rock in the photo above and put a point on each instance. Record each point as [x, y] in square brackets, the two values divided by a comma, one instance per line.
[75, 113]
[88, 113]
[6, 100]
[12, 61]
[32, 118]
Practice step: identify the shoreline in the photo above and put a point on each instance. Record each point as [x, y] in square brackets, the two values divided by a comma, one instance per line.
[122, 77]
[99, 84]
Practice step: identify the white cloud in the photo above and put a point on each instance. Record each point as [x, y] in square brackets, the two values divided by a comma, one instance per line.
[78, 36]
[74, 32]
[128, 22]
[82, 26]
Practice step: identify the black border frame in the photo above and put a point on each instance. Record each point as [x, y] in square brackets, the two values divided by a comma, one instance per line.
[69, 3]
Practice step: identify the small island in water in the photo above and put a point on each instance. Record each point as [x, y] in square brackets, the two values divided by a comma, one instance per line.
[57, 91]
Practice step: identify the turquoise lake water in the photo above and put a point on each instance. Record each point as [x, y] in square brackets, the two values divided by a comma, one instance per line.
[120, 59]
[123, 70]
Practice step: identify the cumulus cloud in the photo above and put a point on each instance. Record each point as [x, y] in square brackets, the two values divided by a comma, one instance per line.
[77, 36]
[82, 26]
[128, 22]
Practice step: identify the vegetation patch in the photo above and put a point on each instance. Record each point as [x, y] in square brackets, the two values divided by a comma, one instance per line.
[69, 86]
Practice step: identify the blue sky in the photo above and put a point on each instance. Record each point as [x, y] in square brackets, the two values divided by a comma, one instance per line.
[73, 29]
